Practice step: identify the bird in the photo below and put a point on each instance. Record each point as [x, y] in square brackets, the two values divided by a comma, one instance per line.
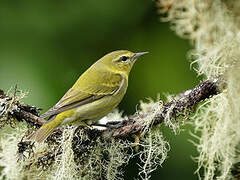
[96, 93]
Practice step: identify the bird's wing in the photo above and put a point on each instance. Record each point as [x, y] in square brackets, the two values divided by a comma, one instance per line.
[87, 90]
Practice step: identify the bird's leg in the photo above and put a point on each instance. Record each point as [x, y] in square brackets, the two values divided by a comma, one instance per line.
[111, 125]
[115, 124]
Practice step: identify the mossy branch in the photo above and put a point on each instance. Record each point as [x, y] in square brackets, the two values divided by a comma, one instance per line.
[173, 109]
[134, 124]
[86, 143]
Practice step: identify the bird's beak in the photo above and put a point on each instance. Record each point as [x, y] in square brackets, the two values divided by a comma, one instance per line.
[136, 55]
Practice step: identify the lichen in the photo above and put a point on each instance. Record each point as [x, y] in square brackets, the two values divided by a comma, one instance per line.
[9, 138]
[153, 153]
[212, 27]
[8, 104]
[64, 165]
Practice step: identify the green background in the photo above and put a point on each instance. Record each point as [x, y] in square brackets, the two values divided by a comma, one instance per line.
[46, 45]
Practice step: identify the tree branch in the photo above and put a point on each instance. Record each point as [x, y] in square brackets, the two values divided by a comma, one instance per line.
[134, 124]
[186, 101]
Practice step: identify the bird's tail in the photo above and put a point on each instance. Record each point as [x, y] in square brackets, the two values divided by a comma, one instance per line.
[43, 132]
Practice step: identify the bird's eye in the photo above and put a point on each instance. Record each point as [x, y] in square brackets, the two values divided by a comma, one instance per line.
[123, 58]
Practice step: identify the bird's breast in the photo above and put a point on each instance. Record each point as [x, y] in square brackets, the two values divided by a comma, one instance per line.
[101, 107]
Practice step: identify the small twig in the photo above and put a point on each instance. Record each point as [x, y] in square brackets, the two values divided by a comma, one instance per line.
[28, 116]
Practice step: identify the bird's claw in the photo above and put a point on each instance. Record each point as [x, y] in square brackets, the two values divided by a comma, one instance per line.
[110, 125]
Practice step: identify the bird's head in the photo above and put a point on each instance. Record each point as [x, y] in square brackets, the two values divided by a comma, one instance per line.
[121, 60]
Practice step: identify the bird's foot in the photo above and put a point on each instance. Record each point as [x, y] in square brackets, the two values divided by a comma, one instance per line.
[110, 125]
[115, 124]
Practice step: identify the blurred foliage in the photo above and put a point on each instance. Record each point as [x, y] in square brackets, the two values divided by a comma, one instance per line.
[46, 45]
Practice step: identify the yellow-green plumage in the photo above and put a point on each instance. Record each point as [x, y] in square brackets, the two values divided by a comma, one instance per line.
[96, 93]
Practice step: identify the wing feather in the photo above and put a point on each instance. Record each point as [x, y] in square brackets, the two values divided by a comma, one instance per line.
[86, 90]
